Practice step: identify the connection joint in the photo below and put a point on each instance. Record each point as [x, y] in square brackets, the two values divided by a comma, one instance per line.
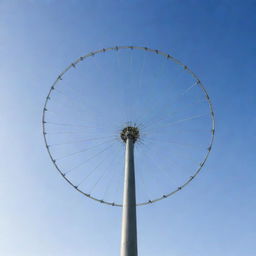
[131, 132]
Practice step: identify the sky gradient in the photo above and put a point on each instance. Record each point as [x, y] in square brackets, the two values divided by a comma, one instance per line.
[40, 214]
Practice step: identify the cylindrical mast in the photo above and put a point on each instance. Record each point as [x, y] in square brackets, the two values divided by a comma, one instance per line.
[129, 226]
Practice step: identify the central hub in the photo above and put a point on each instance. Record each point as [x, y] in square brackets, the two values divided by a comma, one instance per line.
[131, 132]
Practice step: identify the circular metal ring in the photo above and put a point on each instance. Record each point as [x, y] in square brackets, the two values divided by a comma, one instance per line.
[169, 57]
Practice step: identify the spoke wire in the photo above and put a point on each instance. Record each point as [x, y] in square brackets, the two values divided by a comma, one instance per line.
[82, 140]
[177, 143]
[66, 124]
[114, 156]
[180, 121]
[112, 173]
[139, 171]
[83, 150]
[90, 158]
[92, 171]
[156, 168]
[65, 132]
[77, 106]
[143, 99]
[186, 154]
[166, 104]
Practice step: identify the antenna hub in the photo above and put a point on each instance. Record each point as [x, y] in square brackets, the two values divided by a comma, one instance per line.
[131, 132]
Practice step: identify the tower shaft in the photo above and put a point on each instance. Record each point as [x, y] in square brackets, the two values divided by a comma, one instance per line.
[129, 225]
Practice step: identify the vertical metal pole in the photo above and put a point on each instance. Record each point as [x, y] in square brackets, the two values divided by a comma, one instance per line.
[129, 226]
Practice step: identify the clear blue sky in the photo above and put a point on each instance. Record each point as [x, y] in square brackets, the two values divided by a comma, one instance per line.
[40, 214]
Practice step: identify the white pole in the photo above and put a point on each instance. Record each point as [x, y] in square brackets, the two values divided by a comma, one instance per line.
[129, 226]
